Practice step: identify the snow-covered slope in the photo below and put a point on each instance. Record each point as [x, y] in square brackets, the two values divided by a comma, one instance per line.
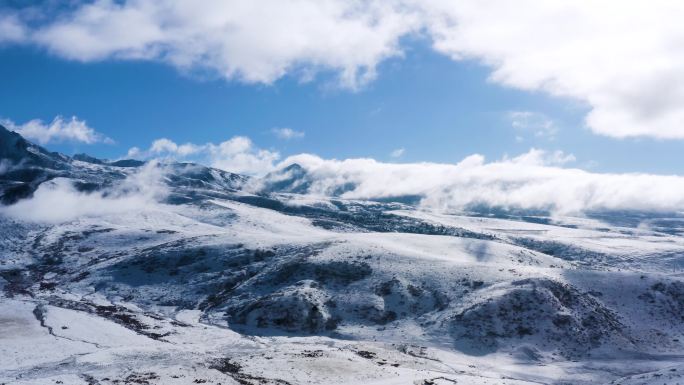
[210, 282]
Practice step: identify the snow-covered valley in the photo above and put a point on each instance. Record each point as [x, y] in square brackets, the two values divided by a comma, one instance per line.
[189, 276]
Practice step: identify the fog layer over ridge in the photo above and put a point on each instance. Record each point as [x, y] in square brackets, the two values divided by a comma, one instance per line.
[58, 200]
[534, 180]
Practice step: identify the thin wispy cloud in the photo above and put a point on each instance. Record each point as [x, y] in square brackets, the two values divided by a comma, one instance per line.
[617, 58]
[287, 133]
[398, 153]
[536, 124]
[12, 30]
[58, 130]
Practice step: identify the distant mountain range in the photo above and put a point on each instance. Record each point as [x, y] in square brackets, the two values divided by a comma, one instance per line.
[224, 278]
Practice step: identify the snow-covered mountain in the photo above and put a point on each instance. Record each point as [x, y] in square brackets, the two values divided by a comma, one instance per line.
[146, 273]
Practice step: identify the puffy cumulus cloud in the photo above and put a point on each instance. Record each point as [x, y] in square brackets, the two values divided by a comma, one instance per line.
[620, 58]
[59, 130]
[163, 145]
[254, 41]
[237, 154]
[534, 180]
[287, 133]
[57, 201]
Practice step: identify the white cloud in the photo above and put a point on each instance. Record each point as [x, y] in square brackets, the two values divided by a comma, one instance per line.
[12, 30]
[254, 41]
[287, 133]
[59, 130]
[534, 180]
[535, 123]
[619, 57]
[58, 201]
[237, 154]
[398, 153]
[166, 146]
[134, 153]
[536, 157]
[622, 59]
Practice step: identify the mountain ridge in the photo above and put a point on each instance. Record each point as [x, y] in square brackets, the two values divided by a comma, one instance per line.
[217, 281]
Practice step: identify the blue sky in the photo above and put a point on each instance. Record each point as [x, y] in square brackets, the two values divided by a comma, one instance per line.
[422, 101]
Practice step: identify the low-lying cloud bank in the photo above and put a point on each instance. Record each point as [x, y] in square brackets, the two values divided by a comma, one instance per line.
[537, 179]
[59, 201]
[534, 180]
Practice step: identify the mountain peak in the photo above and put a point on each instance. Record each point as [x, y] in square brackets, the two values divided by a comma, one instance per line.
[16, 149]
[291, 179]
[87, 158]
[12, 145]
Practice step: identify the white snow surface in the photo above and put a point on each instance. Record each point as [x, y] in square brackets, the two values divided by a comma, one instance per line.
[223, 291]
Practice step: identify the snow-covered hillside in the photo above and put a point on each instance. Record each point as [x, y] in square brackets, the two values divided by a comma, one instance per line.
[130, 273]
